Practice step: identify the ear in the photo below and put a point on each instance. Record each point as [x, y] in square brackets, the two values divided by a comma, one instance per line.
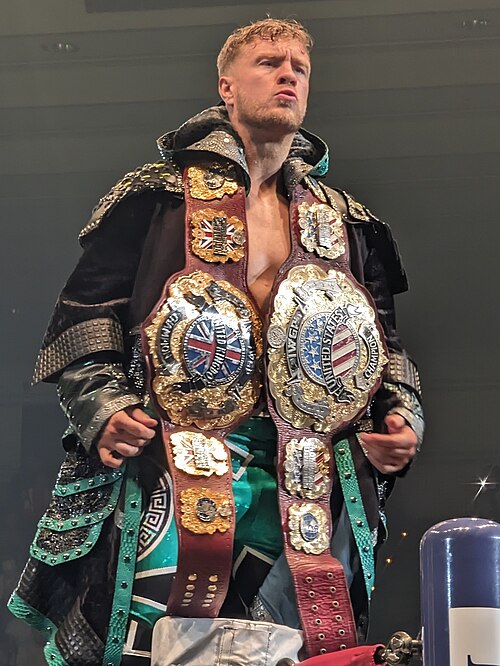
[226, 89]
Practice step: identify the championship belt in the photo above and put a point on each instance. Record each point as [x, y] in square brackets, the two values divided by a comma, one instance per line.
[202, 345]
[326, 354]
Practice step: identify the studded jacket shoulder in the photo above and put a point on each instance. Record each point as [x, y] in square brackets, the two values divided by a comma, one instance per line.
[164, 175]
[377, 232]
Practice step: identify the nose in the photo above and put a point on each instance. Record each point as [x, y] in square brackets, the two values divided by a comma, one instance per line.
[287, 74]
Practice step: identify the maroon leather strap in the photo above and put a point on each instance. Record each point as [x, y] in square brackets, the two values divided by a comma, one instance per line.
[205, 543]
[324, 604]
[323, 599]
[202, 492]
[216, 234]
[322, 595]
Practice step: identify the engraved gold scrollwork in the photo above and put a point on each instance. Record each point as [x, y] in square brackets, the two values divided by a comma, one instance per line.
[217, 237]
[312, 185]
[357, 210]
[205, 343]
[325, 350]
[306, 467]
[322, 230]
[213, 181]
[204, 511]
[198, 455]
[308, 528]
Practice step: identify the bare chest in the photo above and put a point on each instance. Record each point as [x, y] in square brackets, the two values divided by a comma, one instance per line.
[268, 246]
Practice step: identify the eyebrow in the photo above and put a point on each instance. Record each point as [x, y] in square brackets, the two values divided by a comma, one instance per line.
[275, 56]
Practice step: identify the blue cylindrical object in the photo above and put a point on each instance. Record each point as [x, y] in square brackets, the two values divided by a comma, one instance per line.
[460, 593]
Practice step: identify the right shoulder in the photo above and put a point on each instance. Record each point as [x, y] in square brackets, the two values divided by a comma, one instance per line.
[164, 175]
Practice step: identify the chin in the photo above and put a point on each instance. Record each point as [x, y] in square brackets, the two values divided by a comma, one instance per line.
[280, 119]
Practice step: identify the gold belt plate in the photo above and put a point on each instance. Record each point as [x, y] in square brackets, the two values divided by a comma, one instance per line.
[205, 344]
[308, 528]
[204, 511]
[321, 230]
[198, 455]
[325, 350]
[306, 467]
[212, 181]
[217, 237]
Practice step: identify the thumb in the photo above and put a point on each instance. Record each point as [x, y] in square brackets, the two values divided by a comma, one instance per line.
[394, 423]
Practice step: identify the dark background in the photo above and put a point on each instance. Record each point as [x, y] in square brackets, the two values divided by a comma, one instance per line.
[406, 94]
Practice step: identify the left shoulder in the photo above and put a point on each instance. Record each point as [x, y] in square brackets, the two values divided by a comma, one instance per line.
[164, 175]
[378, 235]
[352, 210]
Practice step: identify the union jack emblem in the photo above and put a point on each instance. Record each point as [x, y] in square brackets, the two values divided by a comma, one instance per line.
[213, 351]
[217, 237]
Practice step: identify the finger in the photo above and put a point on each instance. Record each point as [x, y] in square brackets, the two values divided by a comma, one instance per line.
[387, 441]
[128, 439]
[388, 454]
[394, 423]
[140, 415]
[389, 469]
[126, 450]
[403, 438]
[108, 459]
[387, 465]
[126, 424]
[396, 455]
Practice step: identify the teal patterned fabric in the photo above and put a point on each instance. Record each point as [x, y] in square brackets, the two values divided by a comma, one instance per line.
[73, 521]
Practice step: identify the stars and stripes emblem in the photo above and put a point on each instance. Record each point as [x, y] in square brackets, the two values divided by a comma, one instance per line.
[327, 359]
[344, 351]
[307, 467]
[319, 357]
[310, 347]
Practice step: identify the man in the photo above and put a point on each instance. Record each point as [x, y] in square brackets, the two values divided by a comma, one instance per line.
[159, 360]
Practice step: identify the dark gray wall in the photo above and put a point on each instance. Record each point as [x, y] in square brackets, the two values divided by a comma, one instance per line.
[408, 100]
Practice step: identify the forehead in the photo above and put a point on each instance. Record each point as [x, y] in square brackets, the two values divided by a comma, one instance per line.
[275, 47]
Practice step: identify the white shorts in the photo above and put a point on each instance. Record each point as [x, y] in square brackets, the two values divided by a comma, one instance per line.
[182, 641]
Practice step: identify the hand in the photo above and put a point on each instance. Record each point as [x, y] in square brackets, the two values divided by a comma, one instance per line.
[391, 452]
[125, 435]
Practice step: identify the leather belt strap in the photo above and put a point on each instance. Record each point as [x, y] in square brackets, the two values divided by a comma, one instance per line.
[215, 272]
[205, 519]
[199, 463]
[323, 599]
[305, 457]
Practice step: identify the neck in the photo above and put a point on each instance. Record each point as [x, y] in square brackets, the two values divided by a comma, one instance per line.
[264, 155]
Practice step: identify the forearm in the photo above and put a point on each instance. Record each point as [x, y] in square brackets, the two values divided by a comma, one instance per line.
[400, 392]
[90, 392]
[402, 382]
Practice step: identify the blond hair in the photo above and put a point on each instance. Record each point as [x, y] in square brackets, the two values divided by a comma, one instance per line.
[268, 28]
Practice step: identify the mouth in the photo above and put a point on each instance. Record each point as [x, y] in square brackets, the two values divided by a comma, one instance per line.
[287, 94]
